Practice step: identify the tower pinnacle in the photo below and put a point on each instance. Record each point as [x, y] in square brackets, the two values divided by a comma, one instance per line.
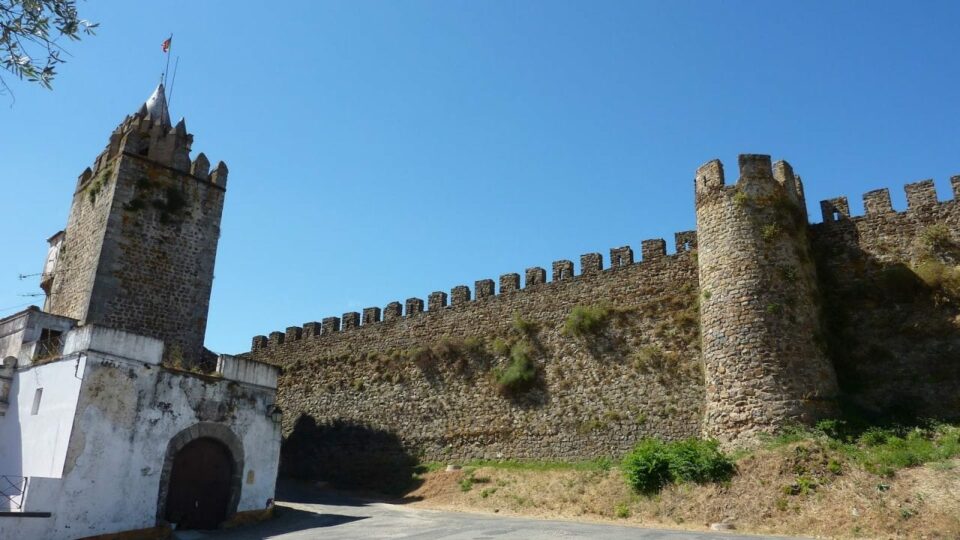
[156, 105]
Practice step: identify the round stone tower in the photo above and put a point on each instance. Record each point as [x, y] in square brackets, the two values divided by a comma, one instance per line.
[764, 364]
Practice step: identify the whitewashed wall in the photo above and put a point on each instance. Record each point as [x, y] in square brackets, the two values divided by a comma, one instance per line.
[36, 445]
[127, 412]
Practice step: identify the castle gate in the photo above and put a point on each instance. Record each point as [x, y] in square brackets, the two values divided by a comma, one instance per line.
[200, 481]
[199, 489]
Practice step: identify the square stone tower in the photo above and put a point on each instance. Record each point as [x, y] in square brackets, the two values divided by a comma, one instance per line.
[140, 244]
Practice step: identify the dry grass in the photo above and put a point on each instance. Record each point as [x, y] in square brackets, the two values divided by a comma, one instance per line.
[802, 489]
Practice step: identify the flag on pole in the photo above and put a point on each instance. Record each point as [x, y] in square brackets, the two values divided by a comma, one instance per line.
[166, 44]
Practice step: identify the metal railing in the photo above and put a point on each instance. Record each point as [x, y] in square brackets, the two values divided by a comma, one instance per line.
[12, 489]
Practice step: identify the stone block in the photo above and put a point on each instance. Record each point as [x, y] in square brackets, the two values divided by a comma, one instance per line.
[414, 306]
[459, 295]
[392, 312]
[330, 325]
[653, 249]
[437, 300]
[509, 283]
[621, 256]
[350, 320]
[535, 276]
[591, 263]
[371, 315]
[484, 288]
[562, 269]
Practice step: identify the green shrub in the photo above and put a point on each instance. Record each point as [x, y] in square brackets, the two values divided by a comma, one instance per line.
[937, 239]
[473, 346]
[448, 348]
[879, 450]
[586, 321]
[940, 277]
[900, 283]
[501, 347]
[741, 199]
[423, 358]
[889, 452]
[770, 232]
[521, 373]
[468, 481]
[653, 463]
[621, 510]
[875, 437]
[523, 326]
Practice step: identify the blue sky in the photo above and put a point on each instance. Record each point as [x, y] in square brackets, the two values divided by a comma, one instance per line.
[384, 150]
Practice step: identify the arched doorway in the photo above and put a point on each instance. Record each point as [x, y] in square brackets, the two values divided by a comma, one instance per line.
[200, 485]
[192, 479]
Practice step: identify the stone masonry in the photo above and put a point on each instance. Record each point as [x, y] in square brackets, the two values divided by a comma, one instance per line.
[596, 396]
[141, 239]
[758, 310]
[758, 320]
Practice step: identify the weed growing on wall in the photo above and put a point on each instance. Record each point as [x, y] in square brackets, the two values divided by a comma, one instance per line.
[585, 321]
[770, 232]
[937, 241]
[93, 190]
[521, 373]
[942, 279]
[522, 326]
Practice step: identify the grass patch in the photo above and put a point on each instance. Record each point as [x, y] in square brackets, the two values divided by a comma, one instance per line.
[880, 450]
[654, 463]
[470, 480]
[621, 510]
[598, 464]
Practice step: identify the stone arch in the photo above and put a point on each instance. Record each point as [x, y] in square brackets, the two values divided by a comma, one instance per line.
[218, 432]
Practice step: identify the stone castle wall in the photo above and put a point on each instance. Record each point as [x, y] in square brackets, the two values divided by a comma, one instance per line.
[789, 313]
[430, 377]
[890, 321]
[141, 240]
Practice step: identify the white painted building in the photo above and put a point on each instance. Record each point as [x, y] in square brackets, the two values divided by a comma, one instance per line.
[101, 431]
[91, 435]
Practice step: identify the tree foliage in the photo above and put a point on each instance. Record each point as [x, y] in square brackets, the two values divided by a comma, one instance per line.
[30, 31]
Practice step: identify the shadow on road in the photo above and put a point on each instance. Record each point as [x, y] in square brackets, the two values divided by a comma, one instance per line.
[348, 456]
[286, 520]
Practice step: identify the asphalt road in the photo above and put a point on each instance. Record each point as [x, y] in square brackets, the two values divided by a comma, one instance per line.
[328, 516]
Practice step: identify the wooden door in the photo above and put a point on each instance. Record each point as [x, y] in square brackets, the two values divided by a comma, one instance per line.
[199, 489]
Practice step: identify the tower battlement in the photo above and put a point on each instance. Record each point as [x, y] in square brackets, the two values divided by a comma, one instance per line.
[758, 176]
[140, 244]
[148, 134]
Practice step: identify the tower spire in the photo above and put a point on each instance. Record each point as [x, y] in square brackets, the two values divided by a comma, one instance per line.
[156, 105]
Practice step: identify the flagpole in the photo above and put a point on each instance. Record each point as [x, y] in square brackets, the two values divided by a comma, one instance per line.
[167, 52]
[173, 82]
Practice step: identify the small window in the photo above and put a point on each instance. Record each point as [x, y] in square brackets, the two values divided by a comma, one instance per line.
[48, 346]
[36, 401]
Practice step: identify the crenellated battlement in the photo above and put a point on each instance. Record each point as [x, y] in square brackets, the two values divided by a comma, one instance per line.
[921, 198]
[759, 177]
[740, 301]
[654, 251]
[149, 135]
